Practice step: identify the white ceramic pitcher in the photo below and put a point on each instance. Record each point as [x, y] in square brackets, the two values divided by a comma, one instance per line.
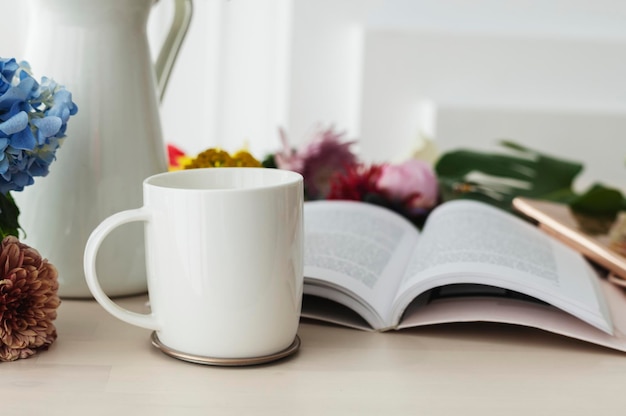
[99, 50]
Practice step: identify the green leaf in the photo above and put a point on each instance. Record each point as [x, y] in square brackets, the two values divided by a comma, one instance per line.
[497, 178]
[599, 200]
[269, 162]
[9, 213]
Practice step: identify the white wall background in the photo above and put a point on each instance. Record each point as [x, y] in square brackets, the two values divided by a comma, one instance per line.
[546, 73]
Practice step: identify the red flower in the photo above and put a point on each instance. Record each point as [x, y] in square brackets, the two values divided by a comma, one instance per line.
[363, 183]
[355, 183]
[174, 154]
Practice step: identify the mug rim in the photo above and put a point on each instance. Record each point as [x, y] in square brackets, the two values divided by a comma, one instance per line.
[290, 178]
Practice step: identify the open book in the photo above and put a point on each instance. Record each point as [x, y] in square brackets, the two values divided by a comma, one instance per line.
[369, 268]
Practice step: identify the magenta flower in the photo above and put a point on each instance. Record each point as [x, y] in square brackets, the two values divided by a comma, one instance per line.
[317, 160]
[412, 183]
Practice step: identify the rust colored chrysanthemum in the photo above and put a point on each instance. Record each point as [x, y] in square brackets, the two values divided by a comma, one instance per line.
[28, 300]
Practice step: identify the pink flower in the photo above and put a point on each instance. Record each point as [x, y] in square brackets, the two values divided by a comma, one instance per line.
[317, 160]
[412, 183]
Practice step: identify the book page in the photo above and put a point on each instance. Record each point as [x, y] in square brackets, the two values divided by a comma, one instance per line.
[471, 242]
[358, 252]
[530, 314]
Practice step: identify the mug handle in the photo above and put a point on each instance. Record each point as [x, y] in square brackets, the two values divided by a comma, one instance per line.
[89, 262]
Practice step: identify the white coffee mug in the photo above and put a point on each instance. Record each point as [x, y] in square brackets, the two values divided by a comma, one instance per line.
[224, 249]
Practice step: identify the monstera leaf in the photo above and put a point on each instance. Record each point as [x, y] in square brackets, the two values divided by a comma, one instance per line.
[497, 178]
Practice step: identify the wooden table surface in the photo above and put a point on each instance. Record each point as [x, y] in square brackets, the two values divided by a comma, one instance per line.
[102, 366]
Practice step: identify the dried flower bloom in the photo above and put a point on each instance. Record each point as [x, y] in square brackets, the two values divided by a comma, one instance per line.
[412, 183]
[318, 160]
[28, 301]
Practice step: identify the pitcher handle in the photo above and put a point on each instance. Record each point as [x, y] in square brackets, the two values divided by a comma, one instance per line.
[169, 51]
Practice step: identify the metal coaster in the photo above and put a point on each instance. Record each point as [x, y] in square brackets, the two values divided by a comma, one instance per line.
[225, 362]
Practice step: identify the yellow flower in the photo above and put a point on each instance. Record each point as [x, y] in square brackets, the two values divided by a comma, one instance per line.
[211, 158]
[217, 158]
[243, 158]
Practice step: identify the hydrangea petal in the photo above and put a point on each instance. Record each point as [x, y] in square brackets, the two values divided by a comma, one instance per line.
[15, 124]
[33, 121]
[9, 98]
[47, 126]
[21, 179]
[4, 165]
[39, 168]
[23, 140]
[8, 67]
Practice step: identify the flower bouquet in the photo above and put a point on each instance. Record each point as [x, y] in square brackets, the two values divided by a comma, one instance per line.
[33, 121]
[331, 170]
[414, 187]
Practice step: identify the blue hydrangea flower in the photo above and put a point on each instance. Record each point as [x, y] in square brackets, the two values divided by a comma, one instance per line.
[33, 121]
